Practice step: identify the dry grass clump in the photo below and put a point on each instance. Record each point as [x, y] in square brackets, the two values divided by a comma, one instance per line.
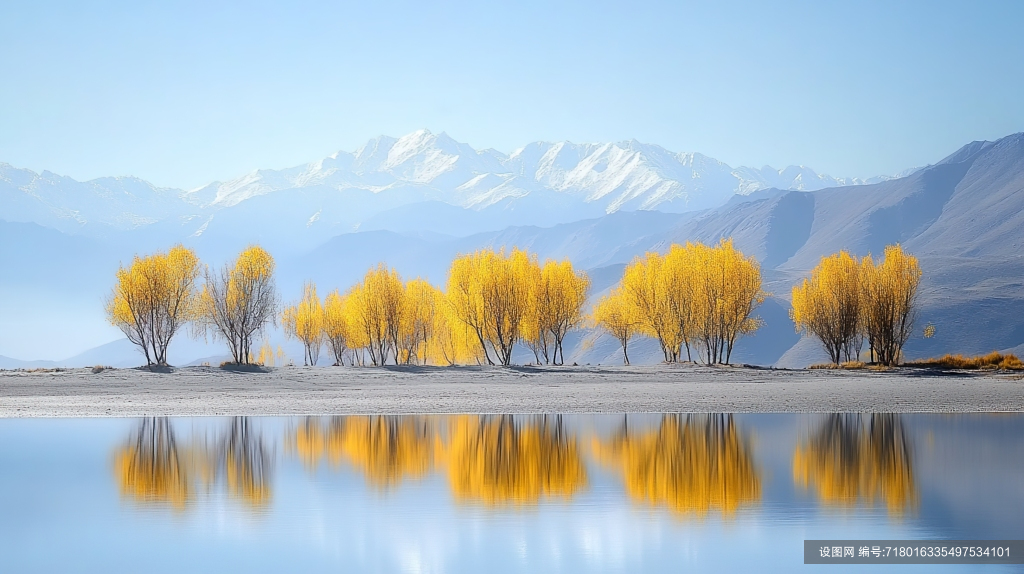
[993, 361]
[849, 365]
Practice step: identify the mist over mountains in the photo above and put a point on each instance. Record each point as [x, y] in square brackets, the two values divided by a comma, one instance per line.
[419, 182]
[416, 201]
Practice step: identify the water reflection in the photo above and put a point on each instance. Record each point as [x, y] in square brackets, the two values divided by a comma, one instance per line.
[154, 467]
[489, 459]
[499, 460]
[847, 461]
[387, 449]
[587, 493]
[690, 464]
[151, 468]
[247, 462]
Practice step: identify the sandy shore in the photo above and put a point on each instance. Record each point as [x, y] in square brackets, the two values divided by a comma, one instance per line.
[341, 390]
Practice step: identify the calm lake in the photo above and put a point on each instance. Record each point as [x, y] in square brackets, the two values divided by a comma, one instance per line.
[469, 493]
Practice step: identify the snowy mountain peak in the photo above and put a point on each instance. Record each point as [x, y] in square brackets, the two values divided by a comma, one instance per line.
[417, 167]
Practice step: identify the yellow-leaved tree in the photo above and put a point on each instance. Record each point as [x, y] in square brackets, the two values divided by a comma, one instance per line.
[493, 294]
[452, 341]
[617, 317]
[644, 288]
[337, 326]
[378, 304]
[153, 298]
[726, 292]
[889, 302]
[239, 302]
[419, 319]
[695, 295]
[828, 306]
[306, 321]
[560, 298]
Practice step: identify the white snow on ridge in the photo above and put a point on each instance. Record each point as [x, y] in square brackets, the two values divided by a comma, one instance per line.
[431, 167]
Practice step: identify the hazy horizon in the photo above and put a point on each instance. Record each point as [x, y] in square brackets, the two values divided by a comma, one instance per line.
[201, 92]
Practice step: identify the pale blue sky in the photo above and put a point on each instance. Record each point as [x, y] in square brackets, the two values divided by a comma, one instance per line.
[184, 94]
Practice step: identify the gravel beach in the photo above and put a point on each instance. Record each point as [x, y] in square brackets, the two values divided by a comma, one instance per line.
[197, 391]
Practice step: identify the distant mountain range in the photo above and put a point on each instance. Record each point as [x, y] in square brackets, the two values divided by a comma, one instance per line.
[421, 181]
[963, 216]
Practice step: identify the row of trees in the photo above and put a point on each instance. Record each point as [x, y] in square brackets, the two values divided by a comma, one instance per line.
[493, 300]
[846, 302]
[695, 298]
[157, 295]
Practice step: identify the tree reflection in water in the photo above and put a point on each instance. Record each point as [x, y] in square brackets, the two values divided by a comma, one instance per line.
[152, 467]
[247, 463]
[498, 460]
[494, 460]
[845, 463]
[387, 449]
[691, 464]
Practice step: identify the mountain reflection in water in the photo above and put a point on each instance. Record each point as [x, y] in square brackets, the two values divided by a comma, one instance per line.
[690, 464]
[848, 460]
[153, 467]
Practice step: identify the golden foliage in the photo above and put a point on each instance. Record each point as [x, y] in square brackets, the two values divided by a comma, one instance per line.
[493, 294]
[993, 360]
[843, 302]
[419, 318]
[846, 463]
[695, 295]
[643, 283]
[497, 460]
[452, 341]
[306, 321]
[828, 306]
[889, 303]
[338, 328]
[493, 302]
[618, 318]
[240, 301]
[690, 464]
[560, 294]
[377, 307]
[153, 298]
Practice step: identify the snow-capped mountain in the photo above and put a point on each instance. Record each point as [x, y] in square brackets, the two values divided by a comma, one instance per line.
[540, 183]
[625, 175]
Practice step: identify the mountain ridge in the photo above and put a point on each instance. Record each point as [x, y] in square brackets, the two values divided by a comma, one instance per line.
[388, 172]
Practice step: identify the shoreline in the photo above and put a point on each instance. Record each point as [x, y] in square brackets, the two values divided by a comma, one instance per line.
[291, 391]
